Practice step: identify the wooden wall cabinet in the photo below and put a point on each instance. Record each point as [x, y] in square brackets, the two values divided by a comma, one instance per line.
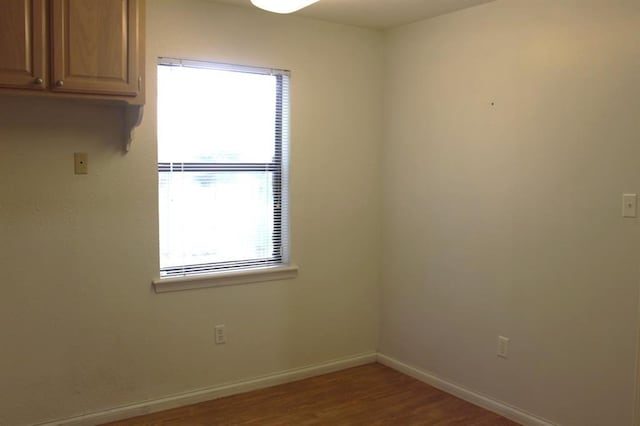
[90, 49]
[23, 44]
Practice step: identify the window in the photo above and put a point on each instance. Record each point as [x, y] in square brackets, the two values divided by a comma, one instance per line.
[222, 167]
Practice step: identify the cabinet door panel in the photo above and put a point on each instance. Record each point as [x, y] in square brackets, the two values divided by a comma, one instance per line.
[95, 45]
[23, 44]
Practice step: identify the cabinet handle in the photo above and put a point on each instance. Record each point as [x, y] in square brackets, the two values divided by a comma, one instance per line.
[38, 81]
[59, 83]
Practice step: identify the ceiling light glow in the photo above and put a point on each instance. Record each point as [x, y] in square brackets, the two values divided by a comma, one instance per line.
[282, 6]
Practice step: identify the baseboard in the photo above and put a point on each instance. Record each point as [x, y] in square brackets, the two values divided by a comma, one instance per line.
[483, 401]
[214, 392]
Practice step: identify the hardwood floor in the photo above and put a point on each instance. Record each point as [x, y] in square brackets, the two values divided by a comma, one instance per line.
[368, 395]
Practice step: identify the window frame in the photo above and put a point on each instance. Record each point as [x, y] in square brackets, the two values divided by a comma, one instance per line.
[276, 267]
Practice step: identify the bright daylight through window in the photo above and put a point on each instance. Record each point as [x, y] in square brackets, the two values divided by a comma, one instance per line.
[222, 166]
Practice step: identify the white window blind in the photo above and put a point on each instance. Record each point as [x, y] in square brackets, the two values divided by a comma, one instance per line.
[222, 166]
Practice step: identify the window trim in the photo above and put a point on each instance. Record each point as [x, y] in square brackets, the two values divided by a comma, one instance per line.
[271, 271]
[221, 279]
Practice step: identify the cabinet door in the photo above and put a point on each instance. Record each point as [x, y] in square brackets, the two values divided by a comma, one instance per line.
[95, 46]
[23, 44]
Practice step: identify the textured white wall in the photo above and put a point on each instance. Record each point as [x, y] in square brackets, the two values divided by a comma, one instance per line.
[82, 330]
[505, 218]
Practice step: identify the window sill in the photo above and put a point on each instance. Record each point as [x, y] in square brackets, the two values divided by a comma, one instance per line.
[220, 279]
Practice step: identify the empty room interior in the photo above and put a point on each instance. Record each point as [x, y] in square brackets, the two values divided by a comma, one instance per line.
[461, 209]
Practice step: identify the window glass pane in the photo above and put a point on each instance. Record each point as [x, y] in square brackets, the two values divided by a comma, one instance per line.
[222, 167]
[208, 217]
[208, 115]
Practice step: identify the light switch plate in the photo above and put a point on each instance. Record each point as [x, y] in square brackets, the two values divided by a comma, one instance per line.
[503, 347]
[81, 163]
[629, 205]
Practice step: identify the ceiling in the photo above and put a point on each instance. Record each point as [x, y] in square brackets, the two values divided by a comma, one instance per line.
[379, 14]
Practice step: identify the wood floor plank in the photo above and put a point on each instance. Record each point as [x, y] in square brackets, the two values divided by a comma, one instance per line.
[371, 395]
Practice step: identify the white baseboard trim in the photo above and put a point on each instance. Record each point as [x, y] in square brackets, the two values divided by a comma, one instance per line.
[214, 392]
[483, 401]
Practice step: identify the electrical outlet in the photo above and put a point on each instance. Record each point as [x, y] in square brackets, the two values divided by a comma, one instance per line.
[503, 347]
[220, 334]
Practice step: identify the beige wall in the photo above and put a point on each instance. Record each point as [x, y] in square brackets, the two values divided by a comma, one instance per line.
[83, 331]
[513, 129]
[497, 219]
